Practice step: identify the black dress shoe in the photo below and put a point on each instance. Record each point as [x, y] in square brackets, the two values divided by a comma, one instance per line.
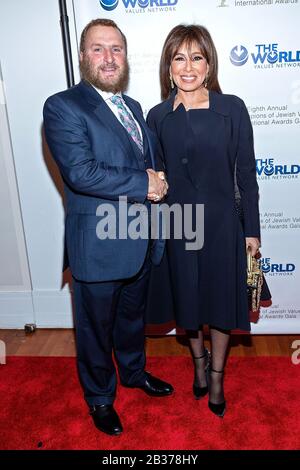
[217, 408]
[156, 387]
[106, 419]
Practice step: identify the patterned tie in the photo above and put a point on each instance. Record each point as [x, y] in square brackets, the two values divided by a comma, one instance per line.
[128, 121]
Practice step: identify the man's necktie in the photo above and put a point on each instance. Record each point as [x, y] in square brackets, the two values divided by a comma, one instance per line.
[128, 121]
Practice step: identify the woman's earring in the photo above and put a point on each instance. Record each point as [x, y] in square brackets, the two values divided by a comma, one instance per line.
[205, 81]
[172, 83]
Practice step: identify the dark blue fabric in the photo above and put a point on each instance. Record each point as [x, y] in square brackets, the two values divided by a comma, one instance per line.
[98, 162]
[202, 149]
[110, 317]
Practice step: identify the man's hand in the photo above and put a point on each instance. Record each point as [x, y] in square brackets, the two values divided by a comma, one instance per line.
[158, 185]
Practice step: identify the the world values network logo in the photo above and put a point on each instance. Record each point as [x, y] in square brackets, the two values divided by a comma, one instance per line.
[265, 56]
[110, 5]
[277, 269]
[267, 168]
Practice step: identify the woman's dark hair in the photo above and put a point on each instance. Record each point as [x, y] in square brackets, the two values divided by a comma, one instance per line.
[187, 34]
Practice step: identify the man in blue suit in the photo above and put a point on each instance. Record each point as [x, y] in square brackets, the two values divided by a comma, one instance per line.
[105, 151]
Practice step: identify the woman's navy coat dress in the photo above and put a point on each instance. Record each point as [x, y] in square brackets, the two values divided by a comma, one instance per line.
[207, 153]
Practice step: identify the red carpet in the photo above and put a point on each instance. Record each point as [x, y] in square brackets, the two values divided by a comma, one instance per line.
[42, 408]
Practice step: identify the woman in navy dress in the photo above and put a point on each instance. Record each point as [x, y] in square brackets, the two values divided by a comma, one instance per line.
[207, 149]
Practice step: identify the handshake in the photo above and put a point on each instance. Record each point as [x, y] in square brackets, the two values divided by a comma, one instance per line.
[157, 186]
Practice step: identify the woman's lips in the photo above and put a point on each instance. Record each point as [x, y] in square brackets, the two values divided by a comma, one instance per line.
[188, 79]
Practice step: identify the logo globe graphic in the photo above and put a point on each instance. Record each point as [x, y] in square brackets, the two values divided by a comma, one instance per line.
[109, 5]
[239, 55]
[143, 3]
[269, 170]
[272, 57]
[266, 267]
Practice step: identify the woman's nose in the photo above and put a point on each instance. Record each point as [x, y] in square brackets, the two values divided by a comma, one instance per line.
[188, 65]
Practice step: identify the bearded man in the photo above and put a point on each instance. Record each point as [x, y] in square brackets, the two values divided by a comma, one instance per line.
[104, 150]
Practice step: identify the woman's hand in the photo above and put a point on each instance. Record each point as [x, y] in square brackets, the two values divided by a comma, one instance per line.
[252, 243]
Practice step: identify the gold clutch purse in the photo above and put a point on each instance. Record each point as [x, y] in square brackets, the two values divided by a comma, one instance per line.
[254, 282]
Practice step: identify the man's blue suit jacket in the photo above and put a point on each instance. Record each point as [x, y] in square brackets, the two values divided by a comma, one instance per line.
[98, 164]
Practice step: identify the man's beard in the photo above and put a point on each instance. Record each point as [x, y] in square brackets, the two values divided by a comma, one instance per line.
[91, 75]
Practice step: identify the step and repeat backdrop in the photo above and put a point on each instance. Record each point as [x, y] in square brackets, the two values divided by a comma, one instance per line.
[258, 44]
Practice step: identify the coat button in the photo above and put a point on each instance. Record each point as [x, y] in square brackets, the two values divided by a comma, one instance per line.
[184, 161]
